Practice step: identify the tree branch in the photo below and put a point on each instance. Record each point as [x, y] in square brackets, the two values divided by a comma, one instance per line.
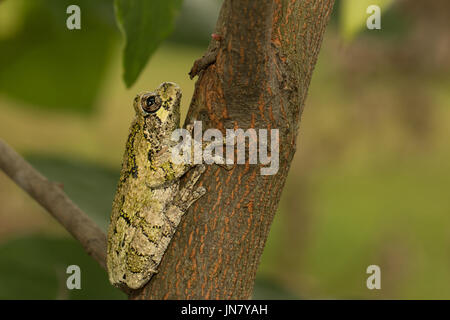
[258, 79]
[50, 195]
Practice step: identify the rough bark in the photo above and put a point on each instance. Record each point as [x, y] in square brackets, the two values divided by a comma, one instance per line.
[267, 52]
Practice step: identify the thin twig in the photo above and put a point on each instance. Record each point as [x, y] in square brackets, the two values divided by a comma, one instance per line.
[203, 63]
[52, 197]
[208, 58]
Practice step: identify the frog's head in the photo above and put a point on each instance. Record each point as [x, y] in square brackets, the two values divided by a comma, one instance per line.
[160, 108]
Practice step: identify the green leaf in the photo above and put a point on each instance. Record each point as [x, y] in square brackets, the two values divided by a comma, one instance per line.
[34, 267]
[353, 15]
[90, 186]
[145, 24]
[46, 65]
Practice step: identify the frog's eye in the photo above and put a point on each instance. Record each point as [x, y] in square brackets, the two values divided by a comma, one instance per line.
[150, 103]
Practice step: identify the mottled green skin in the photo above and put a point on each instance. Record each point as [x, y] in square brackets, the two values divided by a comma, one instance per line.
[148, 204]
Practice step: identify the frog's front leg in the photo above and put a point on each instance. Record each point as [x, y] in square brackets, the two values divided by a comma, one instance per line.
[166, 173]
[217, 159]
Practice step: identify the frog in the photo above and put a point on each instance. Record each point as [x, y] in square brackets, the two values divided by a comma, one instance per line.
[149, 201]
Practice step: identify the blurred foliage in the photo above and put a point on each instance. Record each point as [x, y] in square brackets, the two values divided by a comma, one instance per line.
[196, 22]
[268, 289]
[42, 61]
[34, 267]
[48, 66]
[90, 186]
[42, 261]
[368, 184]
[145, 24]
[353, 15]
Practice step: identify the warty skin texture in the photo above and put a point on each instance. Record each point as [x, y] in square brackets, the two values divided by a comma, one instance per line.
[149, 202]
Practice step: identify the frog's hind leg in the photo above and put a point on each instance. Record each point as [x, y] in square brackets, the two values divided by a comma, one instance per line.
[186, 196]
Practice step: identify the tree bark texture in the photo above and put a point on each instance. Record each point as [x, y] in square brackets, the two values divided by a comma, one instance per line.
[266, 54]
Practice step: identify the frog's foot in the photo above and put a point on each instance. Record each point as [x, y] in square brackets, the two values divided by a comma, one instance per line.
[217, 158]
[226, 166]
[190, 128]
[187, 195]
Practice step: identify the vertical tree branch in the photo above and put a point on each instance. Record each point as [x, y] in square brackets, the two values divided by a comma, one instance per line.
[266, 55]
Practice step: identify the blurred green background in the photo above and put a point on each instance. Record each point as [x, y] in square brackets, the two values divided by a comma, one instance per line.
[370, 182]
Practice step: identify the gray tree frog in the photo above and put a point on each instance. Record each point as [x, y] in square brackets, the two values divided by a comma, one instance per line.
[149, 201]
